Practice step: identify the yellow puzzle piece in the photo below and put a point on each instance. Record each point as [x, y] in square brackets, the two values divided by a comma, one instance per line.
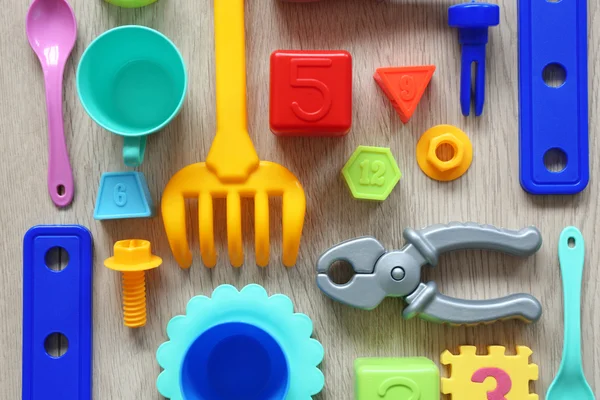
[494, 376]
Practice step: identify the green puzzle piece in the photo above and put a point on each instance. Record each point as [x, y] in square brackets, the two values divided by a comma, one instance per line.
[371, 173]
[396, 379]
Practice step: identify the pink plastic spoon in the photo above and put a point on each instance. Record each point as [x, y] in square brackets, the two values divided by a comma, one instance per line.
[52, 31]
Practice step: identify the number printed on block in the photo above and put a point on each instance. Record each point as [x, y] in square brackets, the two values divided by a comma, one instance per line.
[120, 194]
[371, 173]
[311, 93]
[494, 376]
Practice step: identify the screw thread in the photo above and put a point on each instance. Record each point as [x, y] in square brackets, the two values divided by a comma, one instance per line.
[134, 299]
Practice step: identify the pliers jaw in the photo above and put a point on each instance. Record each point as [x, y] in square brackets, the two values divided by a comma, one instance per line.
[361, 253]
[362, 290]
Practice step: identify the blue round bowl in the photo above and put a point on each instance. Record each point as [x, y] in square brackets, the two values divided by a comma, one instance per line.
[234, 361]
[240, 345]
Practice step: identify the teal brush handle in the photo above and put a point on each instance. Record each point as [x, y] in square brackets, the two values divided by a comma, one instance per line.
[571, 254]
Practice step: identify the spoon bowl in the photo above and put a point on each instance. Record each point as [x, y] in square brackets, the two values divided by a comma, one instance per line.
[51, 25]
[52, 31]
[570, 385]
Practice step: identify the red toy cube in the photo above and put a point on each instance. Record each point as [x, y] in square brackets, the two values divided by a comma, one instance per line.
[311, 93]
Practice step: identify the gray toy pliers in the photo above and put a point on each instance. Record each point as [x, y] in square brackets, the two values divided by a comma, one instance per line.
[380, 273]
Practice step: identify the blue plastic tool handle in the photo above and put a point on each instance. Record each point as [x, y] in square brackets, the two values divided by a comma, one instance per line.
[57, 302]
[553, 118]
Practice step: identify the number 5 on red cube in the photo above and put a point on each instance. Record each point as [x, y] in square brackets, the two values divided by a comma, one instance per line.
[311, 93]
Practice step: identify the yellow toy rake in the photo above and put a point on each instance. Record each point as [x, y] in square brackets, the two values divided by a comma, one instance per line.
[232, 169]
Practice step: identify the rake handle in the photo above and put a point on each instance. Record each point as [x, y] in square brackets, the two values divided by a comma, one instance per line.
[230, 54]
[232, 155]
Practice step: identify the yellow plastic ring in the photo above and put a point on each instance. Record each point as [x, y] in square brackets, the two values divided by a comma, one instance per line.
[429, 161]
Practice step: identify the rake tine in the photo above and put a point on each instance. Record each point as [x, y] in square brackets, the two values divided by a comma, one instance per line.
[234, 229]
[173, 213]
[206, 226]
[261, 228]
[294, 208]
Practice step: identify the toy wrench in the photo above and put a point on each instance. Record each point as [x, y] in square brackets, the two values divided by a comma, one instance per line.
[380, 273]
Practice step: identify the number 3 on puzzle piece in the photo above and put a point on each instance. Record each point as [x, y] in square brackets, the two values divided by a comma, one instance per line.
[503, 382]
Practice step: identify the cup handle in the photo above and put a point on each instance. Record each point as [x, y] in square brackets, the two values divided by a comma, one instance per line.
[133, 150]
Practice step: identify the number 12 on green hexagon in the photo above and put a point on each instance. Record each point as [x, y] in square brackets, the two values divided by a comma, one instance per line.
[372, 173]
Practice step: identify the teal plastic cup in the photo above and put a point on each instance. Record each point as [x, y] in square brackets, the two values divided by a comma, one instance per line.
[132, 81]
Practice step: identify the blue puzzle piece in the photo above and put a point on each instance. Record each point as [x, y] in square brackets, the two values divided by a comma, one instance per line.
[123, 195]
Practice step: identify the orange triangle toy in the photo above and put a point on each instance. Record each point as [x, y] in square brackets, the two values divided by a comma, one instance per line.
[404, 86]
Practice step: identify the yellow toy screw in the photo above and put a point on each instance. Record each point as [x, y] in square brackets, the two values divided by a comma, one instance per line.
[132, 258]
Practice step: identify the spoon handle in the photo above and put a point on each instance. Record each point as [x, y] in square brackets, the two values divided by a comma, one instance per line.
[571, 254]
[60, 175]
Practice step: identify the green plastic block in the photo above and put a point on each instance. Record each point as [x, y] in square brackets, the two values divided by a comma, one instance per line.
[396, 379]
[131, 3]
[371, 173]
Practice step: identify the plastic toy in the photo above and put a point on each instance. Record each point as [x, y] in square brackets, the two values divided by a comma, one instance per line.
[396, 378]
[553, 115]
[380, 273]
[52, 29]
[240, 345]
[131, 3]
[371, 173]
[57, 303]
[132, 81]
[570, 382]
[472, 20]
[432, 141]
[133, 258]
[232, 172]
[404, 86]
[494, 376]
[123, 195]
[311, 93]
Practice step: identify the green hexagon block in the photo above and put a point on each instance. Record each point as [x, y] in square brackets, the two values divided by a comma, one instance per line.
[396, 378]
[371, 173]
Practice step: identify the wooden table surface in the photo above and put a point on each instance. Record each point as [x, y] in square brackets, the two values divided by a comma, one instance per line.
[377, 33]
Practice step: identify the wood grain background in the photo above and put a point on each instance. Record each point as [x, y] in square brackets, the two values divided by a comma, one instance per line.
[377, 33]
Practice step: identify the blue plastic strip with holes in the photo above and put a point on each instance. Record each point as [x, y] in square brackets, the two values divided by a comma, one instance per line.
[553, 118]
[57, 302]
